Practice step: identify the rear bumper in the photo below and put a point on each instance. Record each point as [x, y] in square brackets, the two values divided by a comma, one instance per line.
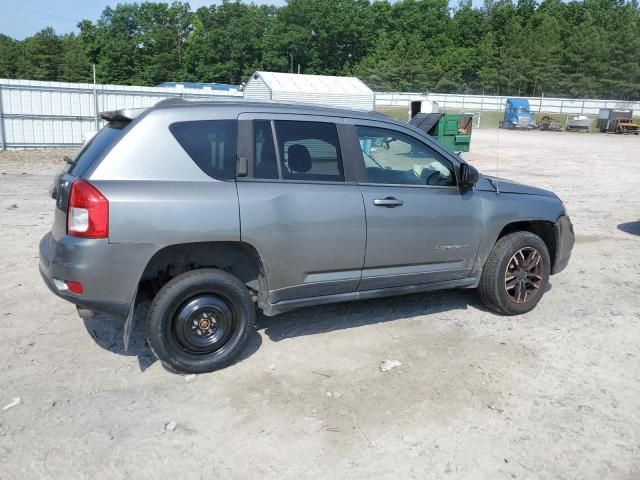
[119, 310]
[565, 238]
[109, 273]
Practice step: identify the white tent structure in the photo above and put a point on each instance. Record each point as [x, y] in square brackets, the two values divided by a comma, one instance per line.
[346, 92]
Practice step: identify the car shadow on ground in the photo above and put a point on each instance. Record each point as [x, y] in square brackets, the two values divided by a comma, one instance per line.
[630, 227]
[107, 332]
[339, 316]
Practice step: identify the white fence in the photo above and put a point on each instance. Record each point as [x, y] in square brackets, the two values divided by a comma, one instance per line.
[55, 114]
[480, 103]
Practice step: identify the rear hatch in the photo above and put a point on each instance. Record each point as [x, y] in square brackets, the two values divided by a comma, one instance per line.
[91, 152]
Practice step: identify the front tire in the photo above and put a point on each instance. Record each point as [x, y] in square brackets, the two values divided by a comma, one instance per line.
[516, 274]
[200, 321]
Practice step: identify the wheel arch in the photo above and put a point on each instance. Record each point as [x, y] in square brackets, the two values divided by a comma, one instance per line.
[544, 229]
[237, 258]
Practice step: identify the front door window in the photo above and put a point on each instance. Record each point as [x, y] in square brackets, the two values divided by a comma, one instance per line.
[391, 157]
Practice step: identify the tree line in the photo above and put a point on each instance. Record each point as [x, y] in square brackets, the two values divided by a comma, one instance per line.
[587, 48]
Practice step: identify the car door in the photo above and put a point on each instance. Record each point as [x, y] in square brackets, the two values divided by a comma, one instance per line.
[300, 206]
[420, 227]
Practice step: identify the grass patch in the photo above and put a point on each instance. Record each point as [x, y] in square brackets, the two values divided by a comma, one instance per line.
[399, 113]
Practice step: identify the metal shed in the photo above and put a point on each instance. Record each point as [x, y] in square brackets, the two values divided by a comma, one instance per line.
[347, 92]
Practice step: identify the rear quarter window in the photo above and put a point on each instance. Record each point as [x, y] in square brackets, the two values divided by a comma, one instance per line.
[211, 144]
[104, 140]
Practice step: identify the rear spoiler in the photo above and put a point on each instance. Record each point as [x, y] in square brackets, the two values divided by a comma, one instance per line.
[125, 115]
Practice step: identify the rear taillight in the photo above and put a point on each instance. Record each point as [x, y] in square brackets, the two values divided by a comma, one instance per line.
[75, 287]
[88, 215]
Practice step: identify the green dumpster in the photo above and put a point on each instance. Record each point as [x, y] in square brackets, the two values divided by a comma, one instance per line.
[452, 130]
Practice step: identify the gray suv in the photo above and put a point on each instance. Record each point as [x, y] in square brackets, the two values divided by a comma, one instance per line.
[210, 209]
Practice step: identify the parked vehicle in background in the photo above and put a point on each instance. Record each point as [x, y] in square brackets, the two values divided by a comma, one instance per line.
[517, 115]
[212, 209]
[550, 124]
[579, 123]
[616, 121]
[625, 126]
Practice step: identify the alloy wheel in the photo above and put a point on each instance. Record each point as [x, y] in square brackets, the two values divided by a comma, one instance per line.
[524, 274]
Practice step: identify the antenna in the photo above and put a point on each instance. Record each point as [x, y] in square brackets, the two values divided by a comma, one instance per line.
[497, 185]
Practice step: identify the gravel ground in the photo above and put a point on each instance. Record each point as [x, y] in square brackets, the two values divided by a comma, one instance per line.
[552, 394]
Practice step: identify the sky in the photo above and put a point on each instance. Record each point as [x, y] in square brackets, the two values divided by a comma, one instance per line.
[23, 18]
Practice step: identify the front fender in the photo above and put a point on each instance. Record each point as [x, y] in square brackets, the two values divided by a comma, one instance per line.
[503, 209]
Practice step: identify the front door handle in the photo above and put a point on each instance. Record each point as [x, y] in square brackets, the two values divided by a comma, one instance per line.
[389, 202]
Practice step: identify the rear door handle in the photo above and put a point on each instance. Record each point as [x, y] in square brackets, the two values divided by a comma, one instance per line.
[389, 202]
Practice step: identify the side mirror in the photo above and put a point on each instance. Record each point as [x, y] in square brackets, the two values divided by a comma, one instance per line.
[467, 177]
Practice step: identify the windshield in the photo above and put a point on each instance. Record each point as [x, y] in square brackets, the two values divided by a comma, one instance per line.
[103, 140]
[521, 110]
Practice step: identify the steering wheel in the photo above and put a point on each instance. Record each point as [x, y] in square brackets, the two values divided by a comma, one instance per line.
[434, 174]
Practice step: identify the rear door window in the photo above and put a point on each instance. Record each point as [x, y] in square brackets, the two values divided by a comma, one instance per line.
[211, 144]
[309, 151]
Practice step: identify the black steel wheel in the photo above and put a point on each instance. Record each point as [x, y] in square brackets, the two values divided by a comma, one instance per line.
[204, 323]
[516, 274]
[200, 321]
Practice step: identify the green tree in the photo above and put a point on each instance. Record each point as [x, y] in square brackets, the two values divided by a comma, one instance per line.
[507, 47]
[327, 37]
[41, 56]
[227, 42]
[9, 53]
[75, 66]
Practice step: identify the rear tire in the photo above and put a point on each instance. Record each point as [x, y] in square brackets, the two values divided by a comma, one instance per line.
[200, 321]
[516, 274]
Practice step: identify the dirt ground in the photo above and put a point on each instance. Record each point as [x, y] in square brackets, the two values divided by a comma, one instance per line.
[554, 394]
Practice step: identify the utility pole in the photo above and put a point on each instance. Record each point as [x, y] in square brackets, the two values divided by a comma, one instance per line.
[95, 98]
[3, 136]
